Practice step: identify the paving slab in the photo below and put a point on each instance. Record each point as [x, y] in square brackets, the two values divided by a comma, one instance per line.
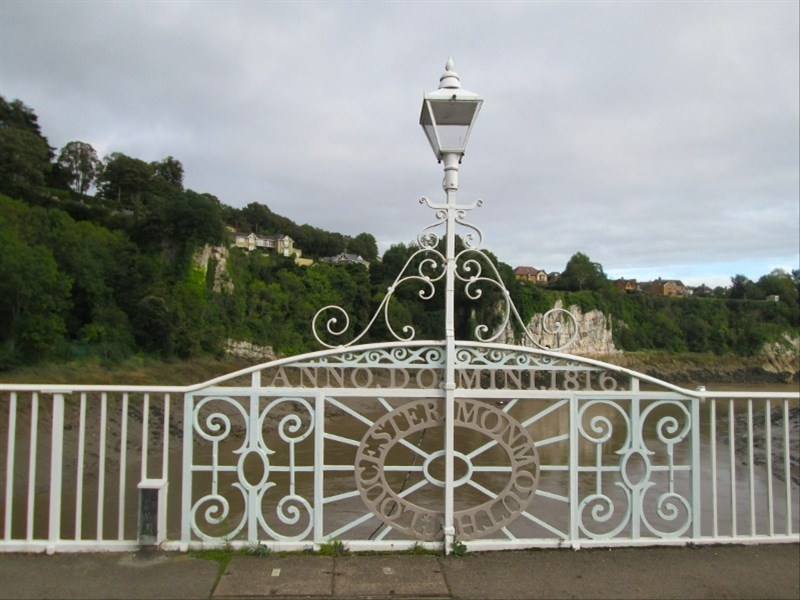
[276, 576]
[389, 577]
[690, 572]
[106, 575]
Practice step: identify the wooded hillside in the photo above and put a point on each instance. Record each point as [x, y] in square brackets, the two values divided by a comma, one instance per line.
[112, 273]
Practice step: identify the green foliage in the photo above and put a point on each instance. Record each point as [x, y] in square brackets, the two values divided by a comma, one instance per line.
[419, 550]
[24, 163]
[582, 274]
[170, 170]
[125, 179]
[364, 245]
[256, 549]
[333, 548]
[458, 549]
[703, 325]
[33, 297]
[80, 165]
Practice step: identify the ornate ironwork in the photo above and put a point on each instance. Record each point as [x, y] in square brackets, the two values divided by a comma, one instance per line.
[473, 267]
[423, 523]
[213, 509]
[636, 473]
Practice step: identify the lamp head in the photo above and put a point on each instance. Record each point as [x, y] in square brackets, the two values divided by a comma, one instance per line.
[448, 114]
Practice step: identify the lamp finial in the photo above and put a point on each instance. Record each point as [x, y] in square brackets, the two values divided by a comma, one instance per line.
[449, 79]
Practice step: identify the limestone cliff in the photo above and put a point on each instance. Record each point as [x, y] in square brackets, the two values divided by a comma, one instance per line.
[218, 257]
[594, 333]
[782, 357]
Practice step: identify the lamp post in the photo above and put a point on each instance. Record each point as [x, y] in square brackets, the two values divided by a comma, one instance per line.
[447, 117]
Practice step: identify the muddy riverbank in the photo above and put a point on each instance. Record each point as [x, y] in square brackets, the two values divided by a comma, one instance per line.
[691, 370]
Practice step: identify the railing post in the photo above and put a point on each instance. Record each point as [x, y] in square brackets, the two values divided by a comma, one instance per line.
[56, 466]
[574, 457]
[319, 466]
[697, 514]
[186, 499]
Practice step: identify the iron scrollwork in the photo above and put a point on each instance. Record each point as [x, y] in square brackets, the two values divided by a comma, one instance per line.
[473, 268]
[213, 509]
[635, 469]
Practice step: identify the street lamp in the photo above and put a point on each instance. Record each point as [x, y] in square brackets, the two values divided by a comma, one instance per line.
[448, 114]
[447, 117]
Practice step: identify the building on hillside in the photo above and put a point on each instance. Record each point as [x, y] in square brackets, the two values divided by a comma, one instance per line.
[346, 258]
[671, 288]
[627, 286]
[531, 274]
[280, 243]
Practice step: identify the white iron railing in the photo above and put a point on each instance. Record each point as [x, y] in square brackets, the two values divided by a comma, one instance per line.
[551, 450]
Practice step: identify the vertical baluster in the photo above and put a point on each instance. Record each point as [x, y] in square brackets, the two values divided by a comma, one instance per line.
[101, 467]
[732, 438]
[32, 466]
[573, 468]
[319, 466]
[713, 441]
[768, 434]
[751, 473]
[56, 468]
[165, 443]
[11, 441]
[165, 459]
[79, 477]
[786, 472]
[697, 497]
[145, 423]
[186, 479]
[123, 463]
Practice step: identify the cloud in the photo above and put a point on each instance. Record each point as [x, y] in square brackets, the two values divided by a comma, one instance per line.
[648, 135]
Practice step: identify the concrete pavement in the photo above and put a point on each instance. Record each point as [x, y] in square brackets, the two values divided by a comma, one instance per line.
[768, 571]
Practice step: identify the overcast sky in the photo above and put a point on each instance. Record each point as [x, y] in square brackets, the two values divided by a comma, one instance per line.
[661, 139]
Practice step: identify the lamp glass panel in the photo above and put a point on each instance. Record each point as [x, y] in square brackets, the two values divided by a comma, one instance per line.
[453, 112]
[453, 122]
[428, 127]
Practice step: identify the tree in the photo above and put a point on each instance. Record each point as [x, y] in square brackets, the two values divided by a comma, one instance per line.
[125, 179]
[744, 289]
[79, 160]
[364, 245]
[24, 162]
[33, 298]
[779, 283]
[17, 115]
[169, 170]
[582, 274]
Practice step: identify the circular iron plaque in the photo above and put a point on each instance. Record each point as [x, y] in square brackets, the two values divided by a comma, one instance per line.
[426, 524]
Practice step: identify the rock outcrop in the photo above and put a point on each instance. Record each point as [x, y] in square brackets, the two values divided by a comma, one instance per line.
[218, 257]
[249, 351]
[595, 336]
[782, 357]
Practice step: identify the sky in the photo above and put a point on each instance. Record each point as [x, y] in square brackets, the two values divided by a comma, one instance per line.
[662, 139]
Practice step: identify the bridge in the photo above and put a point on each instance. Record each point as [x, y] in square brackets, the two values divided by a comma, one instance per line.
[444, 444]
